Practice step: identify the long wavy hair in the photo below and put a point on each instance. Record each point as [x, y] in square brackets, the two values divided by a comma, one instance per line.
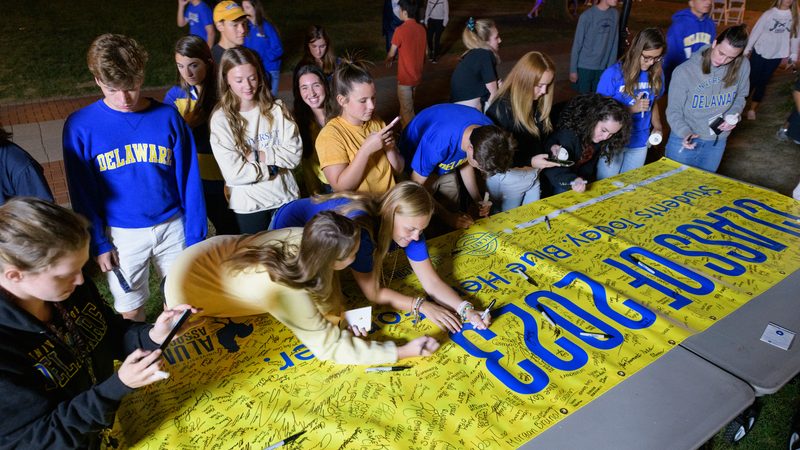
[582, 114]
[35, 233]
[477, 34]
[195, 47]
[407, 198]
[327, 238]
[517, 88]
[647, 39]
[229, 103]
[737, 38]
[302, 112]
[313, 33]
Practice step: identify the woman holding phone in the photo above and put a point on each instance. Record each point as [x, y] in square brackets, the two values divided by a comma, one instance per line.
[59, 338]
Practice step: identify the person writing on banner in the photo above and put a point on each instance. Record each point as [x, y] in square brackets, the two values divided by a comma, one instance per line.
[591, 126]
[522, 107]
[637, 82]
[59, 339]
[447, 146]
[395, 219]
[706, 99]
[288, 273]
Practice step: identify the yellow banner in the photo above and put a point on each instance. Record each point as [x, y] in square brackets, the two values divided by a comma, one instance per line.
[619, 276]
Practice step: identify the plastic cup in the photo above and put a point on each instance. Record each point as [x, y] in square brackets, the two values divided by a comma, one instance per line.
[655, 139]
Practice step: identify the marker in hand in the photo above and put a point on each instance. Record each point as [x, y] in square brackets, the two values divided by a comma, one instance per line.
[485, 314]
[643, 96]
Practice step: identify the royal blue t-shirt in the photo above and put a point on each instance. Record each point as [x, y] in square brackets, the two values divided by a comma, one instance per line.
[432, 141]
[298, 212]
[198, 17]
[612, 84]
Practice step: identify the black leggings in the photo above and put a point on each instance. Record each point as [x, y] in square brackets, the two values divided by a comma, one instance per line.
[435, 28]
[254, 222]
[761, 70]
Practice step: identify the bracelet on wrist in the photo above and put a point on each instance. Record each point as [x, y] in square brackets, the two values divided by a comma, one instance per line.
[415, 307]
[463, 309]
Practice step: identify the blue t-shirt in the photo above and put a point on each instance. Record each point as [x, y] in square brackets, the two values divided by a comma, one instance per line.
[198, 17]
[298, 212]
[432, 141]
[264, 40]
[612, 84]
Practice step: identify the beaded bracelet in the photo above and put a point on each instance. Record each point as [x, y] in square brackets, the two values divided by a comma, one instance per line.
[416, 305]
[463, 309]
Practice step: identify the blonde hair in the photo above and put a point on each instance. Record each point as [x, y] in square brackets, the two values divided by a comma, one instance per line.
[476, 35]
[407, 198]
[230, 103]
[35, 233]
[519, 84]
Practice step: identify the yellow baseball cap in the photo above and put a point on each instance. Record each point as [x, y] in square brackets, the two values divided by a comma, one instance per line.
[228, 10]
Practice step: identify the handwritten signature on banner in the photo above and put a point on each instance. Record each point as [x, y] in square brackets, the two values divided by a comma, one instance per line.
[624, 274]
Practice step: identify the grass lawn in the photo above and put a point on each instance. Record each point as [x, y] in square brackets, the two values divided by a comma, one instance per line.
[44, 43]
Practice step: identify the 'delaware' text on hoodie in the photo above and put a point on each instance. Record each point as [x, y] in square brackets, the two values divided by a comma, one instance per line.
[695, 98]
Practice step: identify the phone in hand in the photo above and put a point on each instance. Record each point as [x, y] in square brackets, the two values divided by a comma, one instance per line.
[561, 162]
[177, 326]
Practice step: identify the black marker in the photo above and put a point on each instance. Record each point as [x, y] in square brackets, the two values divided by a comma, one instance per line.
[547, 222]
[529, 279]
[488, 309]
[121, 279]
[386, 369]
[288, 440]
[545, 315]
[644, 266]
[602, 336]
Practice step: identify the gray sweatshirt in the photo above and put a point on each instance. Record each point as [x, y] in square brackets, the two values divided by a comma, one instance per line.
[596, 40]
[696, 99]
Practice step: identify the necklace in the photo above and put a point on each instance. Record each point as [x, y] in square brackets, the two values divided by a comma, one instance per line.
[391, 275]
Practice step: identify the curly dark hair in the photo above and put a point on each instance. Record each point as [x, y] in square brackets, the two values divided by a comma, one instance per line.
[493, 148]
[584, 111]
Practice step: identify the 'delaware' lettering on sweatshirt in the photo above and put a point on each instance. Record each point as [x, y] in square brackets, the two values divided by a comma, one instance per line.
[132, 154]
[50, 362]
[701, 100]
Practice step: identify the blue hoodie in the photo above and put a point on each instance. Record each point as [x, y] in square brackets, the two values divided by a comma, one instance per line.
[686, 35]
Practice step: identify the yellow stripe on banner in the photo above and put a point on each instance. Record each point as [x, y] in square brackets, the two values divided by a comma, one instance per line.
[625, 273]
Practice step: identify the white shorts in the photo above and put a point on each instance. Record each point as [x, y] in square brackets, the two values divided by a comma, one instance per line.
[136, 247]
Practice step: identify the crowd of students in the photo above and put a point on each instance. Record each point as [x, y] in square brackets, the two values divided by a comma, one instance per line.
[297, 195]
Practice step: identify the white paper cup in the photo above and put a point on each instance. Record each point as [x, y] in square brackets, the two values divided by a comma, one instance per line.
[732, 119]
[655, 139]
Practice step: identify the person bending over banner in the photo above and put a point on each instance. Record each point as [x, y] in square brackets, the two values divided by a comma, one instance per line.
[395, 219]
[288, 273]
[58, 338]
[591, 126]
[447, 148]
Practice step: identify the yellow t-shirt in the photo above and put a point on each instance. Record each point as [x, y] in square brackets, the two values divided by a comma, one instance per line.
[199, 277]
[338, 142]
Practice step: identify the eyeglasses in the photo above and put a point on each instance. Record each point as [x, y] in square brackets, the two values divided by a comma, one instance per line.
[651, 59]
